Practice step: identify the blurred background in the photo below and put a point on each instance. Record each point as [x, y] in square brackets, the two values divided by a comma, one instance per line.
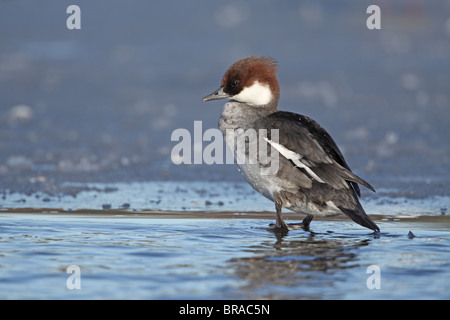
[99, 104]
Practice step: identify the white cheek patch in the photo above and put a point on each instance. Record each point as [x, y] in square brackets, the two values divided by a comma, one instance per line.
[257, 94]
[295, 158]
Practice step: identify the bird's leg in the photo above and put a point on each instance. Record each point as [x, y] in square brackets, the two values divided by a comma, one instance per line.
[306, 221]
[280, 223]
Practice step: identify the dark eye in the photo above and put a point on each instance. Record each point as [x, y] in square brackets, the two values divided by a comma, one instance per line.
[234, 83]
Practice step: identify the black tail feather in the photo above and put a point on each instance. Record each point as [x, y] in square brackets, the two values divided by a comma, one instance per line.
[360, 217]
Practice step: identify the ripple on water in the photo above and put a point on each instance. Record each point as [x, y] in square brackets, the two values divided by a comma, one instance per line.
[148, 258]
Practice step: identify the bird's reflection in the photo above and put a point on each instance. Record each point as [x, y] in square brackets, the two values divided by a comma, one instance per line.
[291, 264]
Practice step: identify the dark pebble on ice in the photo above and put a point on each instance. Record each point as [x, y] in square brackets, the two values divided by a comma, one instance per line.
[125, 206]
[106, 206]
[411, 235]
[208, 203]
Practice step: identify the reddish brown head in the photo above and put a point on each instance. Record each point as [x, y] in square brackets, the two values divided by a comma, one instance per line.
[252, 81]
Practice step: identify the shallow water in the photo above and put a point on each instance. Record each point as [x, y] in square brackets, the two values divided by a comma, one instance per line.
[143, 256]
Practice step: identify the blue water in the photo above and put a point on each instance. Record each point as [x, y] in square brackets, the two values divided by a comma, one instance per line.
[126, 256]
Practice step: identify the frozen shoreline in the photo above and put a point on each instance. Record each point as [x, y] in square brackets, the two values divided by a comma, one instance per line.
[199, 196]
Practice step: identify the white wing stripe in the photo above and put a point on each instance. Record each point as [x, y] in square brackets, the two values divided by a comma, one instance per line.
[295, 157]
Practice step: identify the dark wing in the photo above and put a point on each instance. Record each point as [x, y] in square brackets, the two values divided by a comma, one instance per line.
[312, 150]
